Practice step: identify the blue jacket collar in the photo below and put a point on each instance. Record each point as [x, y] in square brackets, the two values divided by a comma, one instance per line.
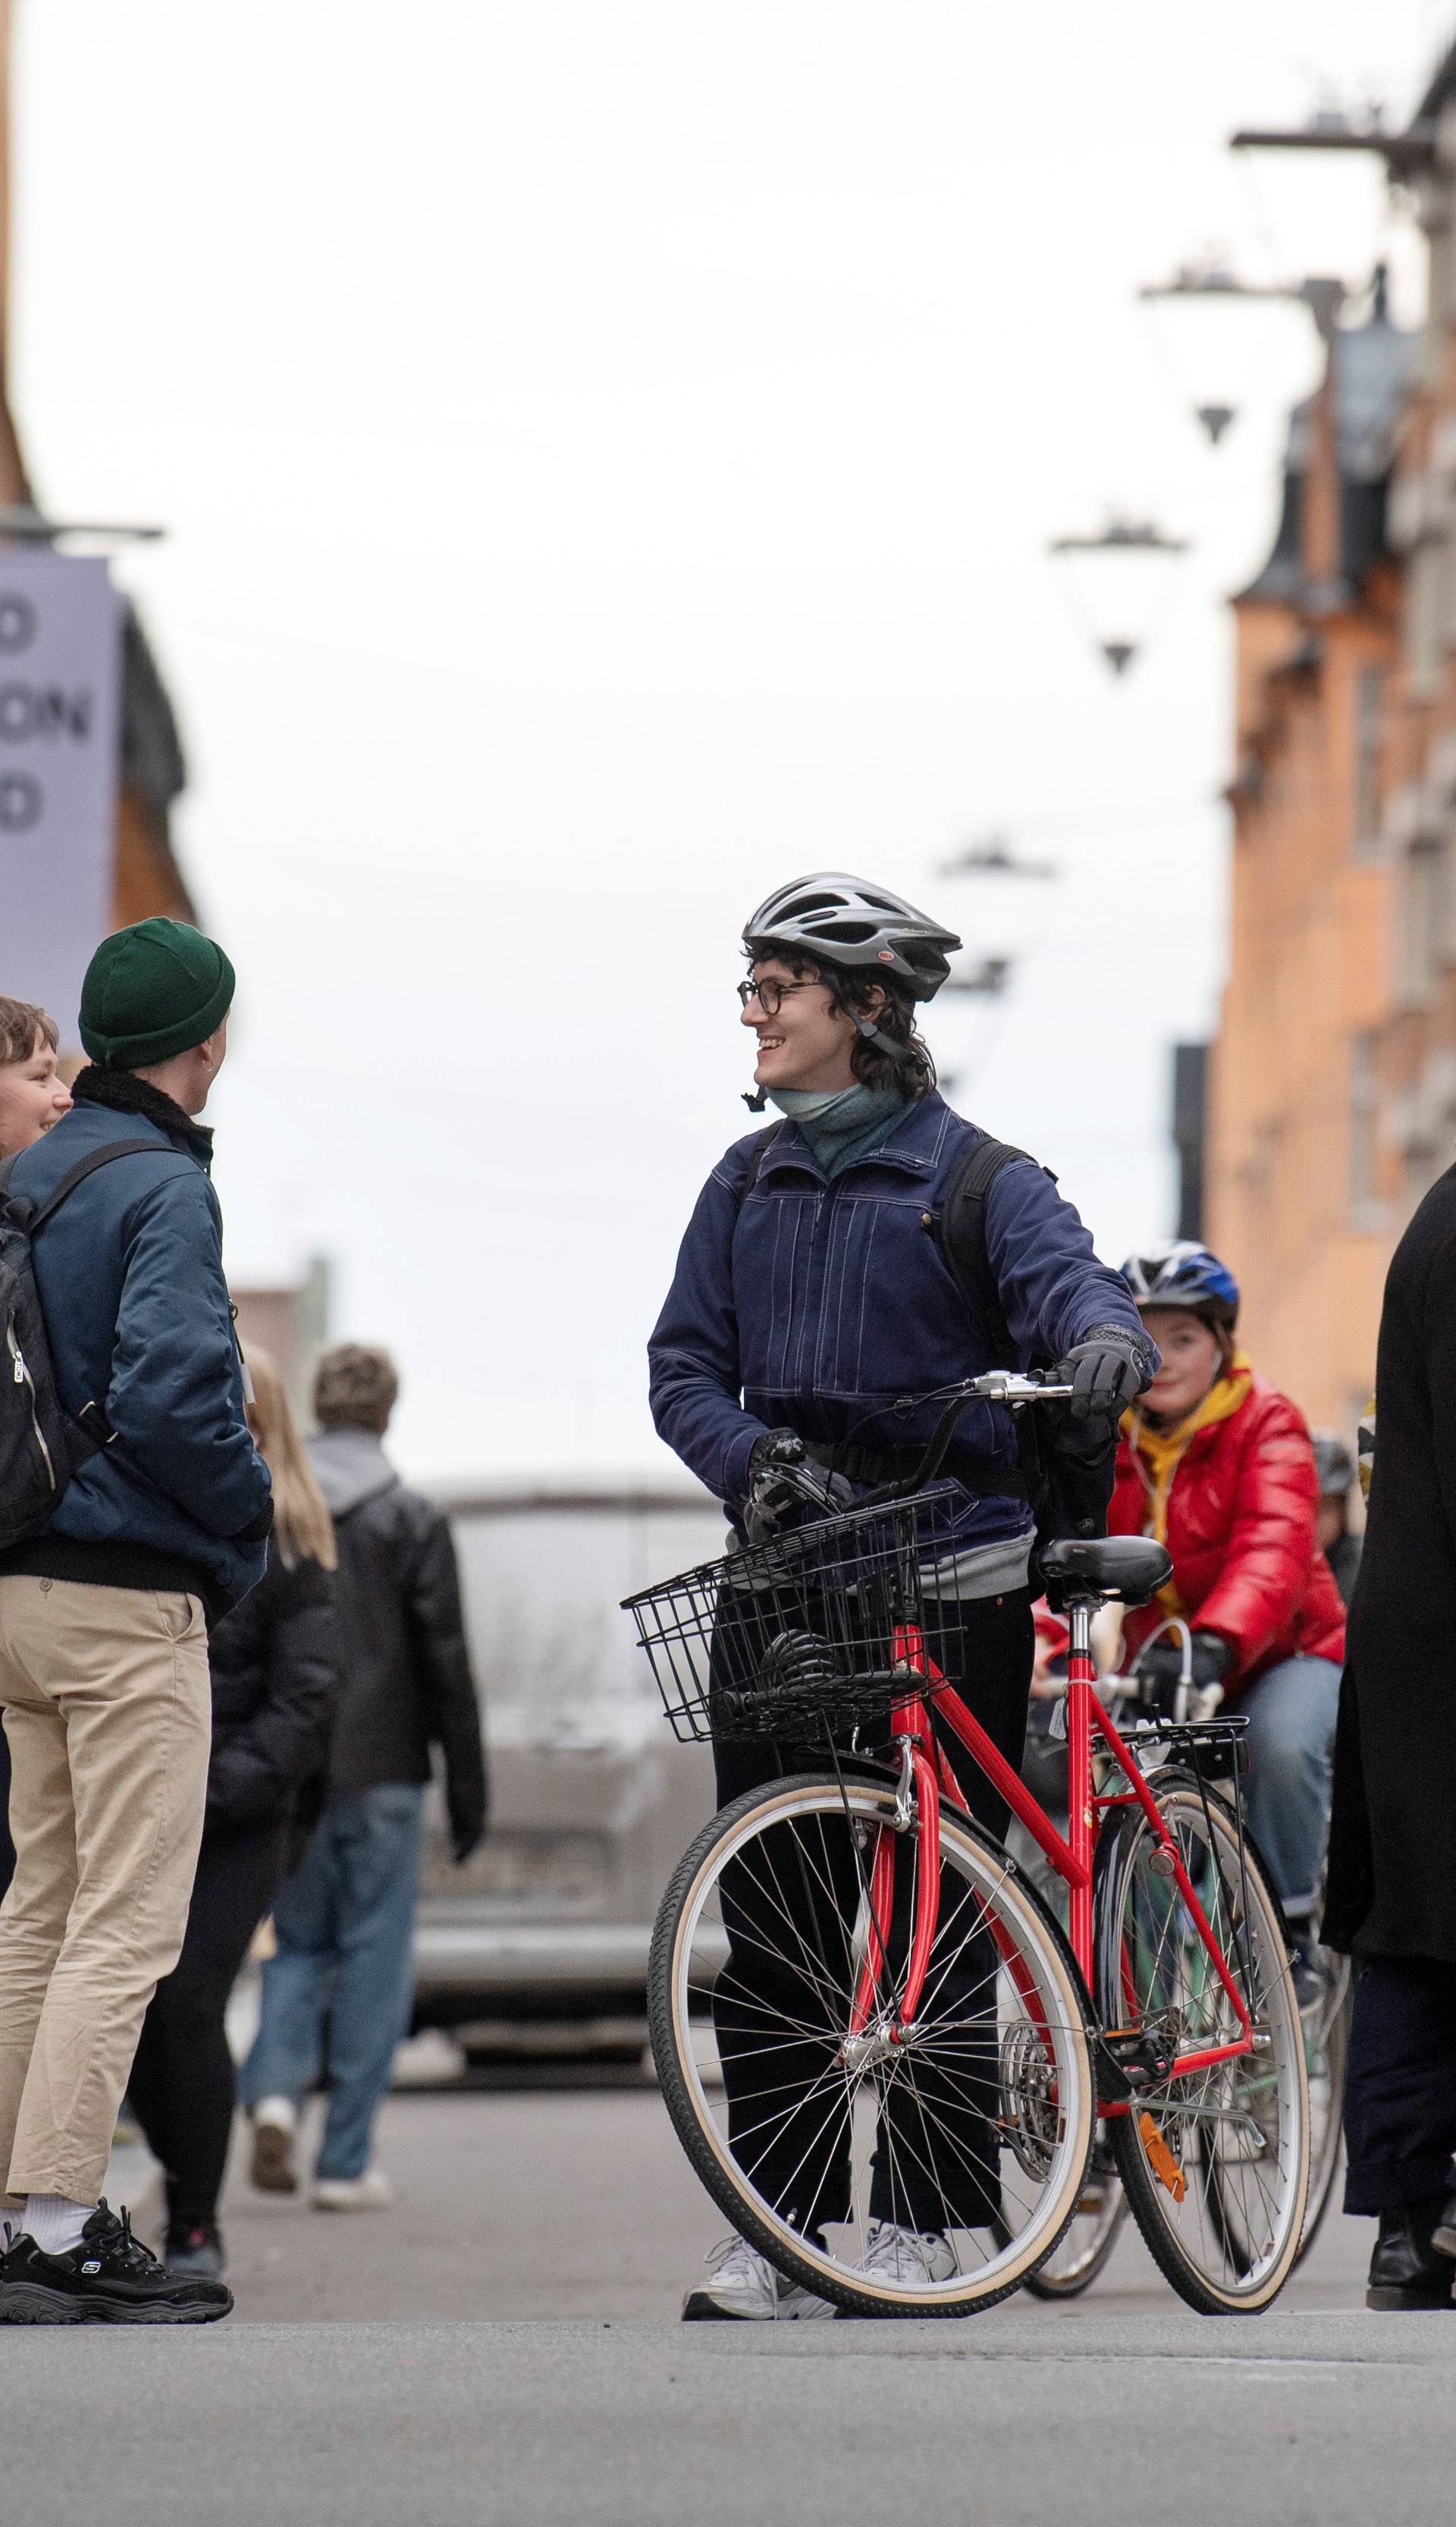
[915, 1148]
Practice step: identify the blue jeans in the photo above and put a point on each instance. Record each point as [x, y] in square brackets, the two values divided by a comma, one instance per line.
[340, 1985]
[1291, 1711]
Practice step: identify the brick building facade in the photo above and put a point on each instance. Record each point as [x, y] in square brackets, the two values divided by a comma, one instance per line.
[1332, 1099]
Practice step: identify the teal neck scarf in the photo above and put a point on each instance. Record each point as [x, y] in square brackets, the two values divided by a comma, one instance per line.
[841, 1124]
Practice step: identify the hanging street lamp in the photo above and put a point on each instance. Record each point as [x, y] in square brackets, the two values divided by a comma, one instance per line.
[1215, 333]
[1120, 584]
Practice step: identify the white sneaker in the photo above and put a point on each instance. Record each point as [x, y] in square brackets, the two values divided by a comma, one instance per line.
[370, 2191]
[908, 2255]
[745, 2288]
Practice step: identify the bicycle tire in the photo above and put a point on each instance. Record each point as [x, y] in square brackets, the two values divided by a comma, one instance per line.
[1212, 2127]
[1075, 2261]
[683, 1930]
[1327, 2055]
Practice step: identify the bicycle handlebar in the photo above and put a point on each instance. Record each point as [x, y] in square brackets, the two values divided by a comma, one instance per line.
[1009, 1386]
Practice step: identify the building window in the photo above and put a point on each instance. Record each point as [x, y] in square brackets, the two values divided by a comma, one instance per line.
[1369, 713]
[1424, 893]
[1363, 1116]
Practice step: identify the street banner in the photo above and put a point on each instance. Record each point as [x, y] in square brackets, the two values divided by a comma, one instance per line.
[60, 700]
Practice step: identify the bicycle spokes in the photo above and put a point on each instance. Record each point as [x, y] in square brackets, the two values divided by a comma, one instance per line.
[1214, 2149]
[834, 2105]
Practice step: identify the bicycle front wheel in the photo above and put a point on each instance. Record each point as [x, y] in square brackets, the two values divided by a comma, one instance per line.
[1215, 2162]
[820, 2126]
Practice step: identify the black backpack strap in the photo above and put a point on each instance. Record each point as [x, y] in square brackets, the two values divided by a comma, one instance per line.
[762, 1148]
[78, 1174]
[961, 1237]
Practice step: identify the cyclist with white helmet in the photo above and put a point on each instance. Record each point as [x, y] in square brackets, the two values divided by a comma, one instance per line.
[1217, 1464]
[811, 1317]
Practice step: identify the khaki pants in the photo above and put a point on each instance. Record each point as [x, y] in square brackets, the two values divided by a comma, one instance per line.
[107, 1709]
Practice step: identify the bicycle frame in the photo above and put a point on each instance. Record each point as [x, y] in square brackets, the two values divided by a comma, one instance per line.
[926, 1772]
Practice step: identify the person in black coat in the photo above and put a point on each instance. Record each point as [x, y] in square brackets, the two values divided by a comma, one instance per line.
[336, 1993]
[1391, 1891]
[274, 1686]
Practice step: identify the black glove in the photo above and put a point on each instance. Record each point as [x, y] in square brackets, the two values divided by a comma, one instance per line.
[1160, 1668]
[1107, 1369]
[782, 1477]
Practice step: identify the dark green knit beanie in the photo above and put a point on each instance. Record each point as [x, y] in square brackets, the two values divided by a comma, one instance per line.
[152, 991]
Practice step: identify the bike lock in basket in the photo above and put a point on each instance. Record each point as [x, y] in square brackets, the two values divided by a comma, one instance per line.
[806, 1633]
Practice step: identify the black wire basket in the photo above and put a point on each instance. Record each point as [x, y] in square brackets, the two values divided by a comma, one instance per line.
[807, 1634]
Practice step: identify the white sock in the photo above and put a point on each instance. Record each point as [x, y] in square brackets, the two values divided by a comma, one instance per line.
[275, 2110]
[54, 2221]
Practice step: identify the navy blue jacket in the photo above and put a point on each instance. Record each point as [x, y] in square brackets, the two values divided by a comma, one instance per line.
[130, 1276]
[820, 1307]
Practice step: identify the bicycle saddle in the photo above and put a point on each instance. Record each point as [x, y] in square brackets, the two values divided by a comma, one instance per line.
[1128, 1568]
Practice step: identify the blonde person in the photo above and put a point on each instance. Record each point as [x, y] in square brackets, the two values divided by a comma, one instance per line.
[274, 1683]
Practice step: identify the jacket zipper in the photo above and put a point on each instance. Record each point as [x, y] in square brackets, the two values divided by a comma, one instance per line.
[23, 1378]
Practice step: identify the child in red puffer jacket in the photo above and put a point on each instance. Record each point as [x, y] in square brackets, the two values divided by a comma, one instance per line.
[1217, 1464]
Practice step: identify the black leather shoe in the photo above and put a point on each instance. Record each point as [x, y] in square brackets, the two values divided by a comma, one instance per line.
[109, 2279]
[1406, 2271]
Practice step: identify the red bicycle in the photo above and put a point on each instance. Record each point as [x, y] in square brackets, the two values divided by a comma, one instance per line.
[868, 2025]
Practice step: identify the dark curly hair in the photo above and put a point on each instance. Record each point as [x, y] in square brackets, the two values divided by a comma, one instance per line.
[906, 1062]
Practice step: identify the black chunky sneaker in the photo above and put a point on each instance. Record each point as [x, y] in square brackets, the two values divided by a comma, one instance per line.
[1406, 2271]
[109, 2279]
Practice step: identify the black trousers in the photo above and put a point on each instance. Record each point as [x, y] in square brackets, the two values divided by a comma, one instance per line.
[936, 2165]
[182, 2088]
[1400, 2086]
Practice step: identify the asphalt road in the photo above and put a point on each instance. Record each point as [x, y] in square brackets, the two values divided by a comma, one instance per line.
[502, 2346]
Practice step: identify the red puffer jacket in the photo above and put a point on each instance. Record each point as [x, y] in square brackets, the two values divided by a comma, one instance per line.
[1241, 1531]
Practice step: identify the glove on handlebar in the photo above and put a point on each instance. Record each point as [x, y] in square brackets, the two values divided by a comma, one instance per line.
[1161, 1665]
[1106, 1370]
[782, 1477]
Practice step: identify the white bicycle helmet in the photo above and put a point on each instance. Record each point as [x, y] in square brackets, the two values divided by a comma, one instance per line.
[849, 923]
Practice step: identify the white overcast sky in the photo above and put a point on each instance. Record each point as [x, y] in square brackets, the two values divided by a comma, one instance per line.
[608, 449]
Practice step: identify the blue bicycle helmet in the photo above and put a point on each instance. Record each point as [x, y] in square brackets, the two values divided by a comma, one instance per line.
[1179, 1272]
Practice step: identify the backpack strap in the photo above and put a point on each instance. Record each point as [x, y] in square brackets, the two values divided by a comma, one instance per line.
[761, 1150]
[76, 1175]
[961, 1237]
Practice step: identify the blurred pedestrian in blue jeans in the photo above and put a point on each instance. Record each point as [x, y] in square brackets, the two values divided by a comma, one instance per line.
[336, 1993]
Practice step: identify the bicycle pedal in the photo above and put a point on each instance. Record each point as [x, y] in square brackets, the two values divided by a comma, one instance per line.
[1136, 2061]
[1161, 2158]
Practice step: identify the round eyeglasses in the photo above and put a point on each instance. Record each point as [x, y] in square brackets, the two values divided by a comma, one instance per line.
[769, 994]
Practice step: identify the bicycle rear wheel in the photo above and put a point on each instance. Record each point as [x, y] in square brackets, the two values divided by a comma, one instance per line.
[1082, 2251]
[971, 2129]
[1327, 2047]
[1215, 2162]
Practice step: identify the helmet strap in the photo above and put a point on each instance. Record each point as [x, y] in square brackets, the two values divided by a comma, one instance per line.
[756, 1099]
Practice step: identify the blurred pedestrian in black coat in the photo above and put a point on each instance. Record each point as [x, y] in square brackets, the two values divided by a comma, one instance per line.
[1391, 1893]
[275, 1685]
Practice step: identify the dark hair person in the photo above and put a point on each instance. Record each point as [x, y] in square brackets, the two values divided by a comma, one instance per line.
[808, 1312]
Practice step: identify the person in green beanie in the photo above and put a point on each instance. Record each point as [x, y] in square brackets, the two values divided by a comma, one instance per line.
[104, 1616]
